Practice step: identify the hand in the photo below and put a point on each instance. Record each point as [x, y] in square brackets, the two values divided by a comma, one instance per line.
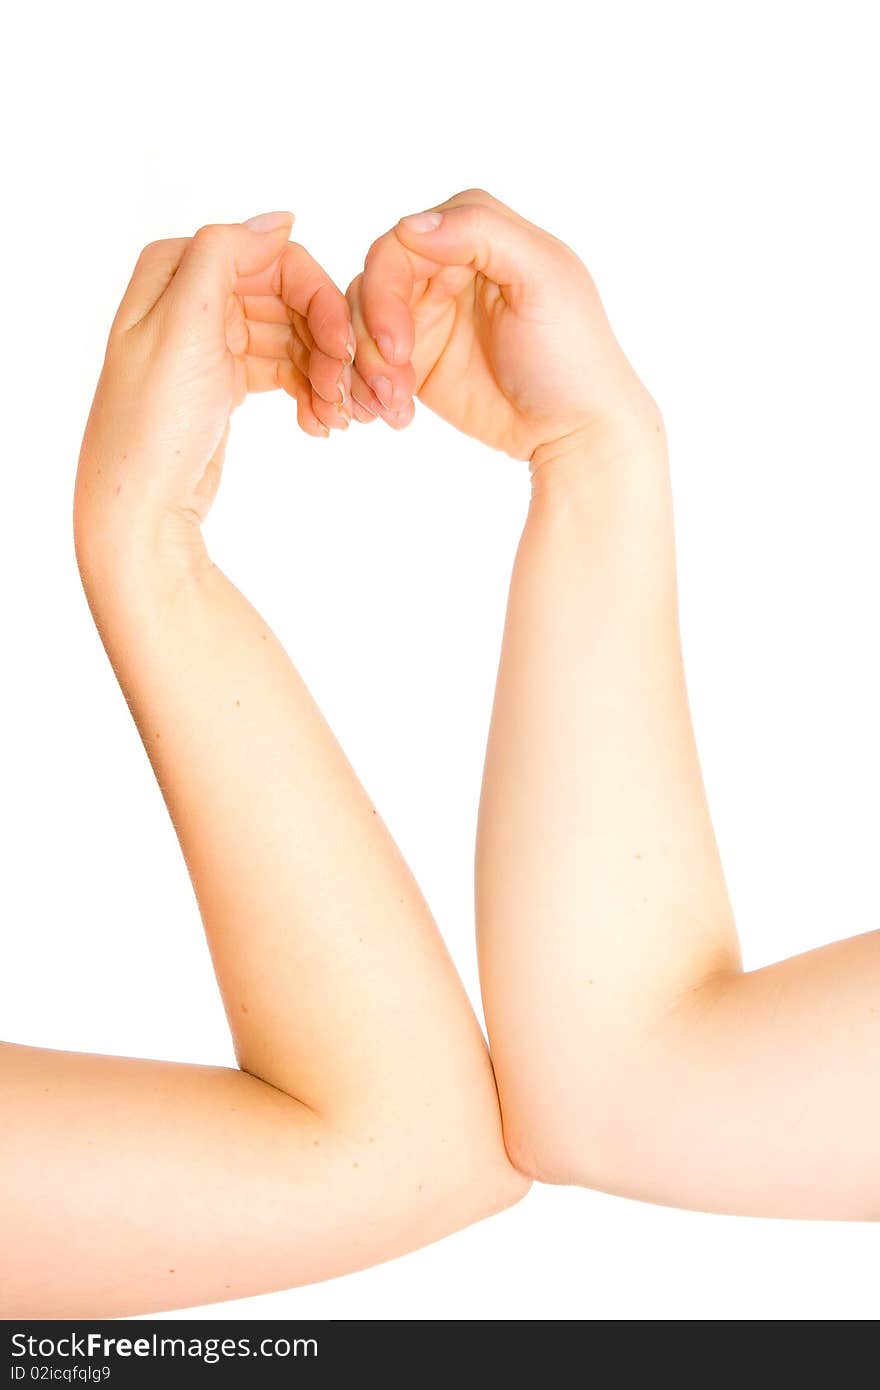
[495, 325]
[203, 322]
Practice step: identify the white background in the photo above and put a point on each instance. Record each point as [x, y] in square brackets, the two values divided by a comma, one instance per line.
[716, 166]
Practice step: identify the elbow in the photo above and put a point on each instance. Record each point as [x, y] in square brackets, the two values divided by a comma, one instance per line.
[503, 1183]
[575, 1142]
[542, 1155]
[482, 1182]
[454, 1178]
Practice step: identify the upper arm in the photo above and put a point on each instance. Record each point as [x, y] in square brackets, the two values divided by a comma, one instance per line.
[756, 1094]
[129, 1186]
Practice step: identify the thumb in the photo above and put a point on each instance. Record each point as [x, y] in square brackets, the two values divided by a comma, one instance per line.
[219, 256]
[156, 267]
[488, 238]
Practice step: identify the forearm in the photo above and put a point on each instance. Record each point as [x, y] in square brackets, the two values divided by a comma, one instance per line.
[600, 894]
[333, 975]
[631, 1052]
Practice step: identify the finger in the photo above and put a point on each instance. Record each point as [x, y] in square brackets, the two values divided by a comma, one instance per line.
[301, 328]
[363, 400]
[269, 339]
[264, 308]
[307, 419]
[324, 308]
[153, 273]
[398, 420]
[332, 414]
[268, 374]
[219, 257]
[482, 235]
[273, 374]
[363, 417]
[386, 294]
[274, 342]
[362, 396]
[306, 289]
[329, 377]
[392, 386]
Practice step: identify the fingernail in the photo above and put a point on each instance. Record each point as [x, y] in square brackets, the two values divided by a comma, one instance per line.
[385, 344]
[364, 405]
[351, 346]
[423, 221]
[269, 221]
[384, 390]
[341, 385]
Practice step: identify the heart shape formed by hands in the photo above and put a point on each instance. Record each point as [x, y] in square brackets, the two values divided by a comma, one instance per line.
[490, 321]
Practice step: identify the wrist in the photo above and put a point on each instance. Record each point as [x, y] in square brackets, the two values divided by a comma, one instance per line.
[600, 480]
[628, 444]
[122, 557]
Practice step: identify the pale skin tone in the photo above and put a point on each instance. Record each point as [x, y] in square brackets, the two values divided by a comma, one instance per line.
[363, 1120]
[631, 1050]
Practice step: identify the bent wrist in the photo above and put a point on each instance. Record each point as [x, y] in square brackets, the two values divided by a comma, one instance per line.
[600, 482]
[630, 443]
[124, 557]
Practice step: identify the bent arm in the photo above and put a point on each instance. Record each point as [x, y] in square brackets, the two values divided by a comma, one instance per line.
[365, 1120]
[632, 1053]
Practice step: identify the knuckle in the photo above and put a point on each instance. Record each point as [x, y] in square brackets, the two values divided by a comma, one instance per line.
[210, 236]
[477, 218]
[153, 250]
[475, 195]
[375, 250]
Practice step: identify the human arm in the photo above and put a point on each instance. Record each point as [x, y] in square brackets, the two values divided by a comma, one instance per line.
[631, 1050]
[351, 1132]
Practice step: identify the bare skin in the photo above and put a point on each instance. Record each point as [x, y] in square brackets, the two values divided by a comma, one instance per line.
[631, 1050]
[349, 1135]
